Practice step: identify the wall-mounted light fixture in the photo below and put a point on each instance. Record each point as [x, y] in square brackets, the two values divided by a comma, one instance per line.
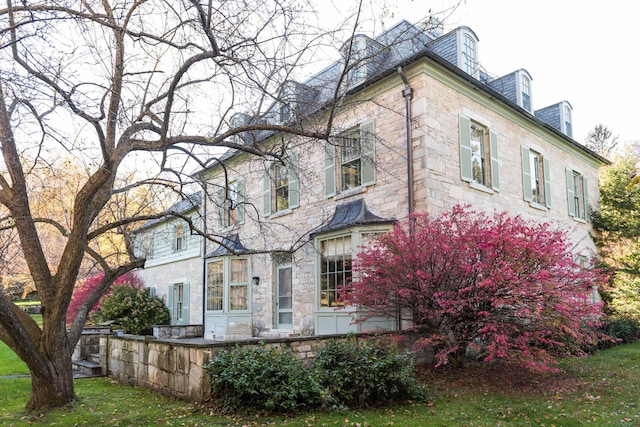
[255, 281]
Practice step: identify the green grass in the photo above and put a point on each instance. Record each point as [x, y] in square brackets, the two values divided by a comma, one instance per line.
[599, 390]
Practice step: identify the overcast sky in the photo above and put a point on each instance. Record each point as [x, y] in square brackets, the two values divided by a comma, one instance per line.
[581, 51]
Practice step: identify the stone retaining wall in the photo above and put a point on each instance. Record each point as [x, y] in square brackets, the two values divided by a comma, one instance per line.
[175, 366]
[178, 331]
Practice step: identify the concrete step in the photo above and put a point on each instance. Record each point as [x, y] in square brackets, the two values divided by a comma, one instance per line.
[87, 368]
[94, 357]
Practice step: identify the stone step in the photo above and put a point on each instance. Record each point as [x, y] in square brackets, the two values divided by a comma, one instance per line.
[94, 357]
[87, 368]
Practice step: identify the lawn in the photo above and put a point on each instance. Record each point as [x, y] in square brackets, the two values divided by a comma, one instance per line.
[599, 390]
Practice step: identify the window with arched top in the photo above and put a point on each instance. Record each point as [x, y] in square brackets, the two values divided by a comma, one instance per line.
[567, 121]
[469, 54]
[525, 92]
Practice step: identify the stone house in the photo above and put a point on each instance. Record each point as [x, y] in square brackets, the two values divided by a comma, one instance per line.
[421, 128]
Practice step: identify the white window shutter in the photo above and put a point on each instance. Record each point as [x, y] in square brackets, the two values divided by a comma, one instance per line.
[329, 169]
[526, 174]
[587, 214]
[240, 207]
[570, 195]
[493, 152]
[266, 193]
[185, 304]
[465, 149]
[367, 147]
[292, 168]
[547, 182]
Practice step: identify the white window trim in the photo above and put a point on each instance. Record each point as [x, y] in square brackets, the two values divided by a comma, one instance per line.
[226, 285]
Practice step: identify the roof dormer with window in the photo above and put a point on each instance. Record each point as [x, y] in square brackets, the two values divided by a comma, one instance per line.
[558, 116]
[460, 48]
[362, 56]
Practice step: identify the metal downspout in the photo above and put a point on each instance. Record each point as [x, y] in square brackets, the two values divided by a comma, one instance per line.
[407, 93]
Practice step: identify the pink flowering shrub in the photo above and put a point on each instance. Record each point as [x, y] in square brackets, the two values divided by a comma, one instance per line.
[497, 284]
[81, 292]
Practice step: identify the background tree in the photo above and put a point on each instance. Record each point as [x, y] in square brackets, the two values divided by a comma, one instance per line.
[601, 140]
[466, 279]
[618, 225]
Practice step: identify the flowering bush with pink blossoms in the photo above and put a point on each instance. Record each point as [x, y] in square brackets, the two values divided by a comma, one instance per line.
[502, 286]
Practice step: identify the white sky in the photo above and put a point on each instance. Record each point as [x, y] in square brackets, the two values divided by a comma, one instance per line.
[575, 50]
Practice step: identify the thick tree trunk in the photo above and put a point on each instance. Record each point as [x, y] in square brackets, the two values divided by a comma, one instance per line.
[456, 359]
[56, 388]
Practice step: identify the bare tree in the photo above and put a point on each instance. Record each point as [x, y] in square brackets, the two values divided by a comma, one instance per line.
[123, 86]
[601, 140]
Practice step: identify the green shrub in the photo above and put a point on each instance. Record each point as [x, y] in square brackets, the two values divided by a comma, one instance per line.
[261, 379]
[132, 309]
[356, 374]
[622, 329]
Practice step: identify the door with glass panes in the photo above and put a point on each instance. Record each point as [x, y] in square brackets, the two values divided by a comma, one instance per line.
[284, 297]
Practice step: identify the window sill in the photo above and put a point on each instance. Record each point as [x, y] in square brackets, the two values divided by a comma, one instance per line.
[280, 213]
[351, 192]
[538, 206]
[578, 219]
[481, 187]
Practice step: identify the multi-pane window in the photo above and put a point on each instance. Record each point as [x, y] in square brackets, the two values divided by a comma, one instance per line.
[356, 61]
[180, 238]
[469, 57]
[478, 154]
[215, 285]
[238, 284]
[178, 302]
[567, 120]
[577, 195]
[280, 186]
[227, 284]
[535, 177]
[335, 269]
[479, 151]
[231, 205]
[525, 84]
[149, 246]
[349, 159]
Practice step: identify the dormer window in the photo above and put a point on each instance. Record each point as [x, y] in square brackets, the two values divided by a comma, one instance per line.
[566, 120]
[468, 52]
[362, 56]
[523, 90]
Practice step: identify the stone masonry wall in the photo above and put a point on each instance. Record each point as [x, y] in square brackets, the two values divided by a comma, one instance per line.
[175, 367]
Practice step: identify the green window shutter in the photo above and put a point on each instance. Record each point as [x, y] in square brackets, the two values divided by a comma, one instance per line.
[526, 173]
[587, 214]
[266, 193]
[221, 202]
[329, 170]
[572, 208]
[170, 292]
[185, 304]
[547, 182]
[241, 201]
[465, 149]
[493, 152]
[294, 195]
[367, 146]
